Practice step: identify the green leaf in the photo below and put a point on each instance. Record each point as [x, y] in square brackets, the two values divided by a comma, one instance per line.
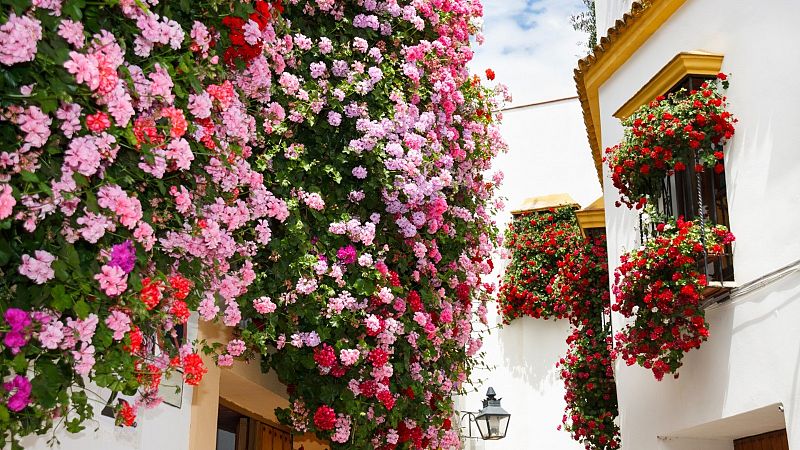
[47, 383]
[81, 309]
[30, 177]
[20, 363]
[74, 8]
[71, 256]
[61, 270]
[61, 300]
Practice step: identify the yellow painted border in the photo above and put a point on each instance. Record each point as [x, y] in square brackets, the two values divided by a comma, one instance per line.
[544, 202]
[615, 49]
[683, 64]
[593, 216]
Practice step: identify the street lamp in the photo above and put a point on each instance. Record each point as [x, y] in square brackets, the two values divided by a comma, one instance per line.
[492, 420]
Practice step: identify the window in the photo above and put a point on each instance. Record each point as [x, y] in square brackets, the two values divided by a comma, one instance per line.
[698, 196]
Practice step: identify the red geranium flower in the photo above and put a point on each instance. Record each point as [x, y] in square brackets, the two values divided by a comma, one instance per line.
[325, 418]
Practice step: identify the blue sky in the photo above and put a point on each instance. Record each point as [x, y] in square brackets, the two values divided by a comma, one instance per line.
[531, 46]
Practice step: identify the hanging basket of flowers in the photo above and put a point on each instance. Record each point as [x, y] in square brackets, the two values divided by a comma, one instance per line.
[658, 287]
[666, 136]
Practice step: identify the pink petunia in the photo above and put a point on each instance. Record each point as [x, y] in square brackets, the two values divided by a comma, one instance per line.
[349, 356]
[264, 305]
[180, 153]
[84, 359]
[36, 126]
[51, 335]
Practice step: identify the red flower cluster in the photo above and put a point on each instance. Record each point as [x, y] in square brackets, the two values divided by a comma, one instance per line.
[325, 418]
[240, 49]
[378, 357]
[587, 372]
[660, 284]
[181, 286]
[325, 356]
[582, 282]
[126, 416]
[136, 340]
[666, 136]
[538, 242]
[151, 292]
[385, 396]
[193, 369]
[490, 74]
[180, 311]
[591, 394]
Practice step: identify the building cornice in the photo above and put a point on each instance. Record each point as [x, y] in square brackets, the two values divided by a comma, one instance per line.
[682, 65]
[592, 217]
[544, 202]
[622, 40]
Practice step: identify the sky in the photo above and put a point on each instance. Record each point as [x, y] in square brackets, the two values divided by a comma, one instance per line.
[531, 46]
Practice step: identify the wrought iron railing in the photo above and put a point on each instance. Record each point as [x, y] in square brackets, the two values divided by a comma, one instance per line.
[700, 196]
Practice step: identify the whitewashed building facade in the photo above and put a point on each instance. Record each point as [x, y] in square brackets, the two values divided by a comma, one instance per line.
[745, 380]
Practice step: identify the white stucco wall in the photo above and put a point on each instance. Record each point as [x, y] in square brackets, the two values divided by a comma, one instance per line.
[751, 359]
[548, 154]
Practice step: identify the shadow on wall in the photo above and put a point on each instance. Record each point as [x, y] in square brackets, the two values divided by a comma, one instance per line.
[530, 349]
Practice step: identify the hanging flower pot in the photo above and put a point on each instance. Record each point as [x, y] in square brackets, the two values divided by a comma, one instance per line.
[658, 286]
[666, 136]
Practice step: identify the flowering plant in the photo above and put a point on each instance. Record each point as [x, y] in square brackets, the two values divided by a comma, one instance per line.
[581, 282]
[658, 286]
[379, 138]
[126, 198]
[538, 241]
[587, 370]
[309, 174]
[667, 135]
[591, 394]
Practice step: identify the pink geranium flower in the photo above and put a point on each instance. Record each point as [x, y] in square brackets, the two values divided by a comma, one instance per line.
[7, 201]
[113, 280]
[38, 268]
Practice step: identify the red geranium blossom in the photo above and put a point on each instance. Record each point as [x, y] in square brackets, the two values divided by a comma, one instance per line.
[325, 418]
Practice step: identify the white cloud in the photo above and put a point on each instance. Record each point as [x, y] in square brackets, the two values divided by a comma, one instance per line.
[531, 46]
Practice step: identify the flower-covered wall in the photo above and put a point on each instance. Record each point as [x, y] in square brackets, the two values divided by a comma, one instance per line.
[309, 173]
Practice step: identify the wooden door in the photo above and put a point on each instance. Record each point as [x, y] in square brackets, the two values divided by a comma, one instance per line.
[270, 438]
[775, 440]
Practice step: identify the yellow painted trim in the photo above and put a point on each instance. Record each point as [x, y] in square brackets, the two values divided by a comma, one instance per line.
[593, 216]
[544, 202]
[591, 219]
[682, 65]
[613, 51]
